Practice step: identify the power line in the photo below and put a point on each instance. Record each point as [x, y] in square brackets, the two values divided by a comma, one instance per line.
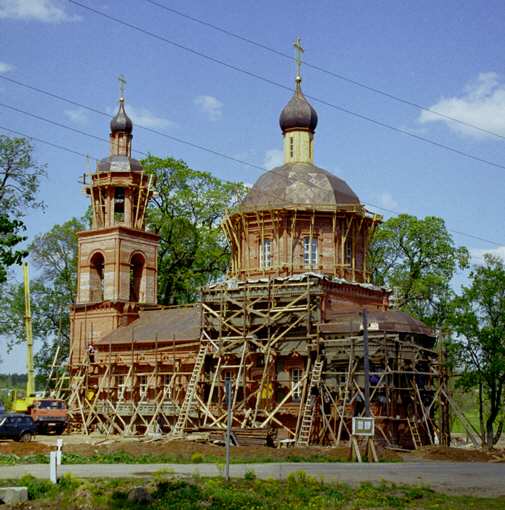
[64, 126]
[339, 76]
[263, 169]
[140, 126]
[45, 142]
[284, 87]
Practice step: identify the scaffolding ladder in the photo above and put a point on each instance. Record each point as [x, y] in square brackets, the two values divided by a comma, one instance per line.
[308, 411]
[190, 392]
[416, 437]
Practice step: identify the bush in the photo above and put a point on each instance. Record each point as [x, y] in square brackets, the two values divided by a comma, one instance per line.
[38, 488]
[250, 475]
[197, 458]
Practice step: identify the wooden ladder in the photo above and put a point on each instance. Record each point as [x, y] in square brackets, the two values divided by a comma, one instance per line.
[308, 411]
[416, 438]
[190, 391]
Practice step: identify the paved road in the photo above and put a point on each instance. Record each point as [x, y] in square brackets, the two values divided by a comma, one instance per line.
[474, 478]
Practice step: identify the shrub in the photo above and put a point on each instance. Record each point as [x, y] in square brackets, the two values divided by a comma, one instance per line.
[197, 458]
[250, 475]
[38, 488]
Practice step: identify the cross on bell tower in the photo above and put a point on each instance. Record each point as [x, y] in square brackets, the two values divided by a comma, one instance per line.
[122, 84]
[298, 58]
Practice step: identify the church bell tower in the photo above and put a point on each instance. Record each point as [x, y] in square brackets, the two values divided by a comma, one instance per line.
[117, 257]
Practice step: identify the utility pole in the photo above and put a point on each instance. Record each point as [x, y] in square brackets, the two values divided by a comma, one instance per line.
[366, 365]
[227, 385]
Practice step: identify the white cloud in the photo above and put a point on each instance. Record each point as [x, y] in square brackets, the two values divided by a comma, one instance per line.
[146, 118]
[273, 158]
[47, 11]
[477, 254]
[5, 68]
[78, 116]
[209, 105]
[387, 201]
[482, 104]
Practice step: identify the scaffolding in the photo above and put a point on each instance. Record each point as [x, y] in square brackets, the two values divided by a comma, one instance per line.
[295, 375]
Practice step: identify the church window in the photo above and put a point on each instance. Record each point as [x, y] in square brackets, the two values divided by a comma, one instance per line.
[143, 384]
[136, 273]
[119, 205]
[96, 276]
[296, 377]
[291, 146]
[348, 251]
[310, 252]
[266, 254]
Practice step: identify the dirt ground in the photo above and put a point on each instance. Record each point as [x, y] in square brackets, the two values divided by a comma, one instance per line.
[455, 454]
[183, 450]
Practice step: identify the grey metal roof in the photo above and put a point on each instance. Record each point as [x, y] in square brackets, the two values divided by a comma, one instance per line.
[389, 321]
[118, 163]
[159, 325]
[299, 184]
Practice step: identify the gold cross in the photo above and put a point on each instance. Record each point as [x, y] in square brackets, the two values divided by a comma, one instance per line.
[298, 56]
[122, 83]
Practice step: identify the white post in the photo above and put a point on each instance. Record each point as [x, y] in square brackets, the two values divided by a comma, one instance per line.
[53, 468]
[59, 445]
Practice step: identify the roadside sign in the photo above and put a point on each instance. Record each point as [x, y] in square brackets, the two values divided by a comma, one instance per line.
[362, 426]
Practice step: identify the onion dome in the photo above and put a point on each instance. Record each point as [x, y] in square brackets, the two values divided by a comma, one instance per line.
[121, 122]
[298, 113]
[299, 185]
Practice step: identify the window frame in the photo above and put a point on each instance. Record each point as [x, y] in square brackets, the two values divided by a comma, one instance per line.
[297, 394]
[348, 252]
[310, 252]
[266, 256]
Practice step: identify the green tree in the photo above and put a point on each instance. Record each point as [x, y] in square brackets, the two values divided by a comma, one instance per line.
[186, 212]
[478, 318]
[10, 237]
[19, 182]
[54, 260]
[417, 258]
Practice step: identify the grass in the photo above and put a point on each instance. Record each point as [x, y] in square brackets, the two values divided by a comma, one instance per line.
[121, 457]
[298, 491]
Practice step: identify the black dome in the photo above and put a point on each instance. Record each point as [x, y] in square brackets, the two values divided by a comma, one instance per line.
[121, 121]
[298, 113]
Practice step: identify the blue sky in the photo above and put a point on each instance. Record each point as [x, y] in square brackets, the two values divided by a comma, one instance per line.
[445, 55]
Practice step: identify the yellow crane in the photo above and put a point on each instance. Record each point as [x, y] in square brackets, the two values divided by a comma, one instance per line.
[49, 414]
[22, 404]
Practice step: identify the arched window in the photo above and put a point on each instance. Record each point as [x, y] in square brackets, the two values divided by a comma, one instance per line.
[137, 263]
[348, 251]
[310, 252]
[119, 205]
[266, 257]
[96, 270]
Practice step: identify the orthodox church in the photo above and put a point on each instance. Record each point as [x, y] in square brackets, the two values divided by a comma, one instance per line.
[284, 328]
